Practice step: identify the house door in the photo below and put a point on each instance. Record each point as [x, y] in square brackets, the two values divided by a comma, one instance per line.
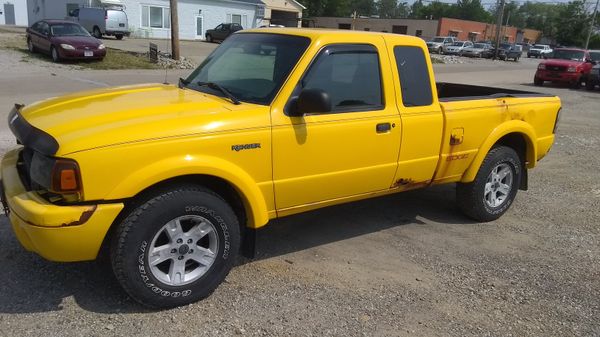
[9, 14]
[199, 27]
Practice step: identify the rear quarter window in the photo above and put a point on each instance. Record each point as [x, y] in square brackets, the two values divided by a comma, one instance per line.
[414, 76]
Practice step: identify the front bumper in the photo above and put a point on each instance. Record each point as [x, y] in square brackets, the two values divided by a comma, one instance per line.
[79, 54]
[557, 76]
[57, 233]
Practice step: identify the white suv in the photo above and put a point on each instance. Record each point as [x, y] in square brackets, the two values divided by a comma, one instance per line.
[539, 50]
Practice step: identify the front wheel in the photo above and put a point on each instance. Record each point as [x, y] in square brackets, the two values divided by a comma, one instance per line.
[209, 38]
[589, 84]
[538, 81]
[55, 55]
[440, 51]
[176, 247]
[494, 188]
[30, 46]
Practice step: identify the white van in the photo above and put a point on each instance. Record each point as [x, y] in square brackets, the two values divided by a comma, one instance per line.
[100, 21]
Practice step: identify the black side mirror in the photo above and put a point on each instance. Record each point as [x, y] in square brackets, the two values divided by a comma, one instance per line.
[311, 101]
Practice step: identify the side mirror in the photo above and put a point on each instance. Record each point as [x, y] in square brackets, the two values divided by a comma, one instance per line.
[311, 101]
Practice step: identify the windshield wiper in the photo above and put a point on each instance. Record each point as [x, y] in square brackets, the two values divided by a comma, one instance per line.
[183, 83]
[215, 86]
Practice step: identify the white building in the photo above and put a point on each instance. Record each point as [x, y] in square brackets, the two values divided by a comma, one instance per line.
[13, 12]
[151, 18]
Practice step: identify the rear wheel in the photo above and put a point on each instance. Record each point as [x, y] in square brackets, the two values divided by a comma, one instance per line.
[209, 38]
[494, 188]
[55, 55]
[119, 36]
[30, 46]
[176, 247]
[96, 32]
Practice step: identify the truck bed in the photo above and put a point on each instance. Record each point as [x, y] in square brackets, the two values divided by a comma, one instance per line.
[448, 92]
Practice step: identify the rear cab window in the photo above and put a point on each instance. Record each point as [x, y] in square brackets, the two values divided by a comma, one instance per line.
[415, 83]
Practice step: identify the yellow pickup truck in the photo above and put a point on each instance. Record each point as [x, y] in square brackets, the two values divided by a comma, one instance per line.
[172, 179]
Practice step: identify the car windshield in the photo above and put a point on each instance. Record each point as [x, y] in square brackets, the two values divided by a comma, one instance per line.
[539, 46]
[458, 44]
[505, 45]
[251, 66]
[595, 55]
[438, 39]
[479, 45]
[566, 54]
[68, 29]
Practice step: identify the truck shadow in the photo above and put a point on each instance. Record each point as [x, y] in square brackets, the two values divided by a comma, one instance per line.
[30, 284]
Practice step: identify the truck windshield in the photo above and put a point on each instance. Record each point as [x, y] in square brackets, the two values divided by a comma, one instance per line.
[565, 54]
[251, 66]
[438, 39]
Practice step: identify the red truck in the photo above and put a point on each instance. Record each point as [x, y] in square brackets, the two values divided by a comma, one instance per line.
[565, 65]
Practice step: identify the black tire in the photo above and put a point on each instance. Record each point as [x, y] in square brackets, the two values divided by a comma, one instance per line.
[471, 197]
[440, 51]
[119, 36]
[209, 38]
[537, 81]
[30, 46]
[54, 54]
[576, 84]
[96, 32]
[589, 85]
[143, 225]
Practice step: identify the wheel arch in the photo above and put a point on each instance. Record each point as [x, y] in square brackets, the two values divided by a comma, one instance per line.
[515, 134]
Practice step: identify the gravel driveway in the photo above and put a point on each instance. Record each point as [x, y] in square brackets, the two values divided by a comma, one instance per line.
[408, 264]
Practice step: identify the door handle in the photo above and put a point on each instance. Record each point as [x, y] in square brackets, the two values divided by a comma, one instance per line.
[383, 127]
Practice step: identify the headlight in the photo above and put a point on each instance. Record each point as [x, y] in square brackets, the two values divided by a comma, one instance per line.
[67, 46]
[572, 69]
[57, 175]
[542, 66]
[101, 46]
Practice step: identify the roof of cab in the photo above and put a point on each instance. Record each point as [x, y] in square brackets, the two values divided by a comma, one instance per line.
[313, 33]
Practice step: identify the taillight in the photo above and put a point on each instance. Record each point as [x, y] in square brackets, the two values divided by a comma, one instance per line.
[66, 178]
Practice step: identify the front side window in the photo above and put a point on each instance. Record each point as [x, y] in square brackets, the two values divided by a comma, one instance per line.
[350, 74]
[251, 66]
[414, 76]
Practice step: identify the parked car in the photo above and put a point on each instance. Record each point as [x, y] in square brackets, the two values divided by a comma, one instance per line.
[64, 40]
[457, 47]
[539, 50]
[478, 50]
[436, 45]
[222, 31]
[514, 52]
[173, 180]
[593, 78]
[100, 21]
[565, 65]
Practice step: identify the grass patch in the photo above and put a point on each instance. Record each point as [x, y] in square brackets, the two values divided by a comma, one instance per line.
[119, 59]
[115, 58]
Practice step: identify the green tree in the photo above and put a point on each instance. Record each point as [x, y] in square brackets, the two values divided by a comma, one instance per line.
[387, 9]
[573, 21]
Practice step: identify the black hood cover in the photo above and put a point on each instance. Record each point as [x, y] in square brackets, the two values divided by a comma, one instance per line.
[30, 136]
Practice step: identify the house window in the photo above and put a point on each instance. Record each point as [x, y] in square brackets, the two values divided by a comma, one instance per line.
[367, 29]
[156, 17]
[344, 26]
[419, 32]
[241, 20]
[399, 29]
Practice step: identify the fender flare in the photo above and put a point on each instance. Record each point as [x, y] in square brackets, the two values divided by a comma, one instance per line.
[513, 126]
[174, 167]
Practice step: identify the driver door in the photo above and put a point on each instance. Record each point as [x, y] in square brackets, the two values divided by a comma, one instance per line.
[352, 149]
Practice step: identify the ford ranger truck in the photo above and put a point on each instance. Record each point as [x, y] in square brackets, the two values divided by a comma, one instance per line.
[171, 180]
[565, 65]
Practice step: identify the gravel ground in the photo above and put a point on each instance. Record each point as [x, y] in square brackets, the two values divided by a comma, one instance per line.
[408, 264]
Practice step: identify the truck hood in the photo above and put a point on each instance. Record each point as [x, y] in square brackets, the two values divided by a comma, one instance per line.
[562, 63]
[119, 115]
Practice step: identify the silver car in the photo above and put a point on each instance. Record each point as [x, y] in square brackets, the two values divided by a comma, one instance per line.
[436, 45]
[478, 50]
[457, 47]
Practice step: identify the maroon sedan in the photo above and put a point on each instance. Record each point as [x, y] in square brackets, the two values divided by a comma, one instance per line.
[64, 40]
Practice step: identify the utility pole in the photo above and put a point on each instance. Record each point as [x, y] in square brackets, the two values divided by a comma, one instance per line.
[587, 41]
[174, 31]
[498, 27]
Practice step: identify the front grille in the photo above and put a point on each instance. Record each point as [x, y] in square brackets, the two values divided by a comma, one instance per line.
[556, 68]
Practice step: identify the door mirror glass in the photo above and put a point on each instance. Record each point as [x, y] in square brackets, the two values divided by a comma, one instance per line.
[311, 101]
